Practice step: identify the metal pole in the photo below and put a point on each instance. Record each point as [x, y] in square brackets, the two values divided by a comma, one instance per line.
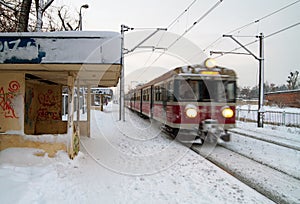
[80, 15]
[80, 19]
[122, 101]
[261, 111]
[89, 111]
[125, 28]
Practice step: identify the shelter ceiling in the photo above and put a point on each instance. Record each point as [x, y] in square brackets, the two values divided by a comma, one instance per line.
[104, 75]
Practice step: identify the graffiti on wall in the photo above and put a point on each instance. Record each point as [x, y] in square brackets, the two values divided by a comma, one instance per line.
[20, 50]
[7, 98]
[50, 109]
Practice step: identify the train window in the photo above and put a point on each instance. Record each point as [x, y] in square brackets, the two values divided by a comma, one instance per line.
[138, 97]
[218, 91]
[230, 91]
[188, 90]
[157, 93]
[144, 95]
[170, 91]
[212, 90]
[161, 89]
[147, 95]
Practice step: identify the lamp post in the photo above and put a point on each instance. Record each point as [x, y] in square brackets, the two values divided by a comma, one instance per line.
[80, 16]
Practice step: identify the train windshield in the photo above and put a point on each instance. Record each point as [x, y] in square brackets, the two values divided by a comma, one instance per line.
[206, 90]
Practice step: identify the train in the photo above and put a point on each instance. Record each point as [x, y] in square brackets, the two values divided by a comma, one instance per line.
[194, 102]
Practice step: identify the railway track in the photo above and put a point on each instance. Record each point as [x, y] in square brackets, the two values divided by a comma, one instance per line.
[270, 181]
[291, 144]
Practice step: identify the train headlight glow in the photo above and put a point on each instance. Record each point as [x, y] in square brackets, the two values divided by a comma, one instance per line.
[191, 111]
[227, 112]
[210, 63]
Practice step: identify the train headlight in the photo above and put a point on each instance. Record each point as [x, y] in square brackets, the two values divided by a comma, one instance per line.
[191, 111]
[210, 63]
[227, 112]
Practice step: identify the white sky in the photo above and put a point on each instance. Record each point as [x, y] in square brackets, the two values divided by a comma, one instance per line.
[281, 50]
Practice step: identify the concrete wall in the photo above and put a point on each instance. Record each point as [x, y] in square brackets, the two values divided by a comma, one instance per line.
[31, 108]
[12, 91]
[43, 108]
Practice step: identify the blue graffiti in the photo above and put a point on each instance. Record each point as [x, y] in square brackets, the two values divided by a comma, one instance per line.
[15, 50]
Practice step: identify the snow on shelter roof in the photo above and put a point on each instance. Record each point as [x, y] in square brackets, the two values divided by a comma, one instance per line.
[95, 55]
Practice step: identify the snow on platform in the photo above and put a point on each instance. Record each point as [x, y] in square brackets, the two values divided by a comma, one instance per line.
[123, 162]
[94, 56]
[68, 47]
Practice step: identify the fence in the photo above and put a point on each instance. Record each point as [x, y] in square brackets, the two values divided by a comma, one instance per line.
[270, 117]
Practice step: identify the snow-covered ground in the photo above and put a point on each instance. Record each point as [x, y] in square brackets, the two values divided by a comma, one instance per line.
[123, 162]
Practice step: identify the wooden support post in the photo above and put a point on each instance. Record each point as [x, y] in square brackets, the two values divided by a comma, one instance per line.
[73, 133]
[78, 103]
[70, 132]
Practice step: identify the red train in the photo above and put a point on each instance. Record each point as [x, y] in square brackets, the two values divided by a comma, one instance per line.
[196, 101]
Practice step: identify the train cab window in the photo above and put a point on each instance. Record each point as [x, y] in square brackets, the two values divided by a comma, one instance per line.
[230, 87]
[212, 90]
[217, 91]
[188, 90]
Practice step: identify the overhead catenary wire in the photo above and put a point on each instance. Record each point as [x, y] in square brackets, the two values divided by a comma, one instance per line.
[253, 22]
[264, 17]
[267, 36]
[190, 28]
[162, 36]
[180, 15]
[281, 30]
[169, 26]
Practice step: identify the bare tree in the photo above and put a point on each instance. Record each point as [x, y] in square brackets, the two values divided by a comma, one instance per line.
[21, 16]
[24, 16]
[41, 7]
[9, 11]
[66, 21]
[292, 80]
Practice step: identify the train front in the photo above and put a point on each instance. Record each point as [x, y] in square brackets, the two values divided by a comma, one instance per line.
[206, 97]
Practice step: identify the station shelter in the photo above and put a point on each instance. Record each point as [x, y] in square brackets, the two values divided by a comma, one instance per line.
[35, 68]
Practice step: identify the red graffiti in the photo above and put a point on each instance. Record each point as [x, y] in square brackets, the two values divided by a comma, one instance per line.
[13, 86]
[44, 114]
[49, 106]
[6, 99]
[47, 99]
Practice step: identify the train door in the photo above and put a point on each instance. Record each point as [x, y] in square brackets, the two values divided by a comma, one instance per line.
[164, 96]
[133, 101]
[151, 101]
[140, 100]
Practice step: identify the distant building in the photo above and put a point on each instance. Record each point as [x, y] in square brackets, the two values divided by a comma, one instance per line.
[289, 98]
[106, 91]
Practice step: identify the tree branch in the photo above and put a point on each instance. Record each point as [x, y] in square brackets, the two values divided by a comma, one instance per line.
[62, 20]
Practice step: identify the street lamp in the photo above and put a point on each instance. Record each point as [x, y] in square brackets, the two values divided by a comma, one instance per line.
[80, 16]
